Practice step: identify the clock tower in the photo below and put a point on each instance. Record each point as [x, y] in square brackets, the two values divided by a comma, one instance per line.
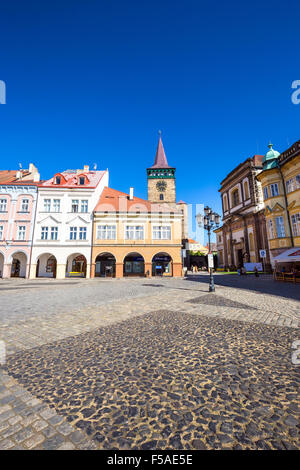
[161, 178]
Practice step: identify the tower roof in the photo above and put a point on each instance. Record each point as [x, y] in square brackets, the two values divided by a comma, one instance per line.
[160, 157]
[271, 158]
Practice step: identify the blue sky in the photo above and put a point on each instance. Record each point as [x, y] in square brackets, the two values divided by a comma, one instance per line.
[93, 81]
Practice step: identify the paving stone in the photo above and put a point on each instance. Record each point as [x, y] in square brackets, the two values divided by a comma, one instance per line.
[34, 441]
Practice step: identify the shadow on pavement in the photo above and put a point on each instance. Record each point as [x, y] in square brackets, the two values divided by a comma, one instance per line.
[264, 284]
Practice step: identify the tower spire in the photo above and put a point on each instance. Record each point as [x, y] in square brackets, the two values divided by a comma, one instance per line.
[160, 157]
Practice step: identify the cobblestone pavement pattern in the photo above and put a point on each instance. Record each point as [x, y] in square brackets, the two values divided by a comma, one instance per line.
[183, 369]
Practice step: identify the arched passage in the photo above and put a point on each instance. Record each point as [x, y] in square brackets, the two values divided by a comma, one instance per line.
[18, 264]
[1, 264]
[76, 265]
[105, 265]
[162, 265]
[46, 265]
[134, 265]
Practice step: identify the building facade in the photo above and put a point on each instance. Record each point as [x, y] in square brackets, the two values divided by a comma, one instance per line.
[280, 180]
[62, 238]
[18, 199]
[133, 237]
[243, 233]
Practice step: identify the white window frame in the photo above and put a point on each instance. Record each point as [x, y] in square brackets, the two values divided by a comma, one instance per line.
[280, 227]
[56, 205]
[3, 205]
[54, 233]
[271, 229]
[134, 232]
[44, 233]
[273, 191]
[82, 231]
[21, 232]
[107, 232]
[75, 204]
[84, 206]
[161, 232]
[47, 205]
[73, 233]
[266, 192]
[1, 231]
[25, 205]
[295, 220]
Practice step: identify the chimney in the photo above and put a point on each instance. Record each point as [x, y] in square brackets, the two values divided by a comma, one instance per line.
[36, 177]
[131, 194]
[86, 168]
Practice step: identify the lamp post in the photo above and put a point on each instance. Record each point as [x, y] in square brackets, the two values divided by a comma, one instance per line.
[209, 221]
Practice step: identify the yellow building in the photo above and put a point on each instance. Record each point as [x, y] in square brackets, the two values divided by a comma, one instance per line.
[137, 237]
[280, 180]
[133, 237]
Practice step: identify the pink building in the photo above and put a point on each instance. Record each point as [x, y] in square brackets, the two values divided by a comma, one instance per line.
[18, 198]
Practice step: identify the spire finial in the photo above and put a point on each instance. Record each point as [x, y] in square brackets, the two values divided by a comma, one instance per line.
[159, 133]
[270, 145]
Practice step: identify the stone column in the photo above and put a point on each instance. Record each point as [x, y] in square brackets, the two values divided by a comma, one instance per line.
[177, 269]
[6, 270]
[88, 271]
[93, 267]
[60, 271]
[148, 267]
[32, 271]
[119, 269]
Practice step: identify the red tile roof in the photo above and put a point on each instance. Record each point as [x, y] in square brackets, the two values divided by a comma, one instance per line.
[112, 200]
[9, 176]
[70, 179]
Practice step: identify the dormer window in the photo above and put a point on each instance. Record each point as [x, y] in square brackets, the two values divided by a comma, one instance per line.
[81, 180]
[58, 180]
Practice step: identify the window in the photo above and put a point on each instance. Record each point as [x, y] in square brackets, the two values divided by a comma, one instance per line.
[161, 233]
[106, 232]
[161, 197]
[235, 198]
[47, 205]
[56, 205]
[82, 233]
[298, 181]
[75, 205]
[84, 206]
[57, 180]
[44, 233]
[274, 189]
[266, 192]
[73, 233]
[1, 232]
[3, 205]
[246, 190]
[25, 205]
[290, 185]
[280, 227]
[296, 224]
[54, 233]
[134, 232]
[21, 232]
[225, 203]
[271, 229]
[81, 180]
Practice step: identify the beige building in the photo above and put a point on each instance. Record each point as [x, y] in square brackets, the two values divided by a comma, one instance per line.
[280, 180]
[243, 233]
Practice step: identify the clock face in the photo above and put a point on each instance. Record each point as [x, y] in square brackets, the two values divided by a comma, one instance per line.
[161, 186]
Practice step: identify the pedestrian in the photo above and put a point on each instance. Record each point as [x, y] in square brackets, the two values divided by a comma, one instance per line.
[256, 272]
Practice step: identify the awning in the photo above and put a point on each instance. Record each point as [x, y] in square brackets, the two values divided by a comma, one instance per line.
[289, 256]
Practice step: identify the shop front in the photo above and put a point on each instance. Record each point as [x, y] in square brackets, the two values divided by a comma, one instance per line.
[287, 266]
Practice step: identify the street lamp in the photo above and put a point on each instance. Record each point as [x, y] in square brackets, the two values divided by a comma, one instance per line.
[211, 220]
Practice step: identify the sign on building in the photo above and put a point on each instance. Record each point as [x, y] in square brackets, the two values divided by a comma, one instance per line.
[263, 253]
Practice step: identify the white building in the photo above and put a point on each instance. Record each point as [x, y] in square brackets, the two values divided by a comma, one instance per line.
[62, 238]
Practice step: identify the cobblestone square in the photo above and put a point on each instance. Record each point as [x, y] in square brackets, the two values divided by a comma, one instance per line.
[150, 364]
